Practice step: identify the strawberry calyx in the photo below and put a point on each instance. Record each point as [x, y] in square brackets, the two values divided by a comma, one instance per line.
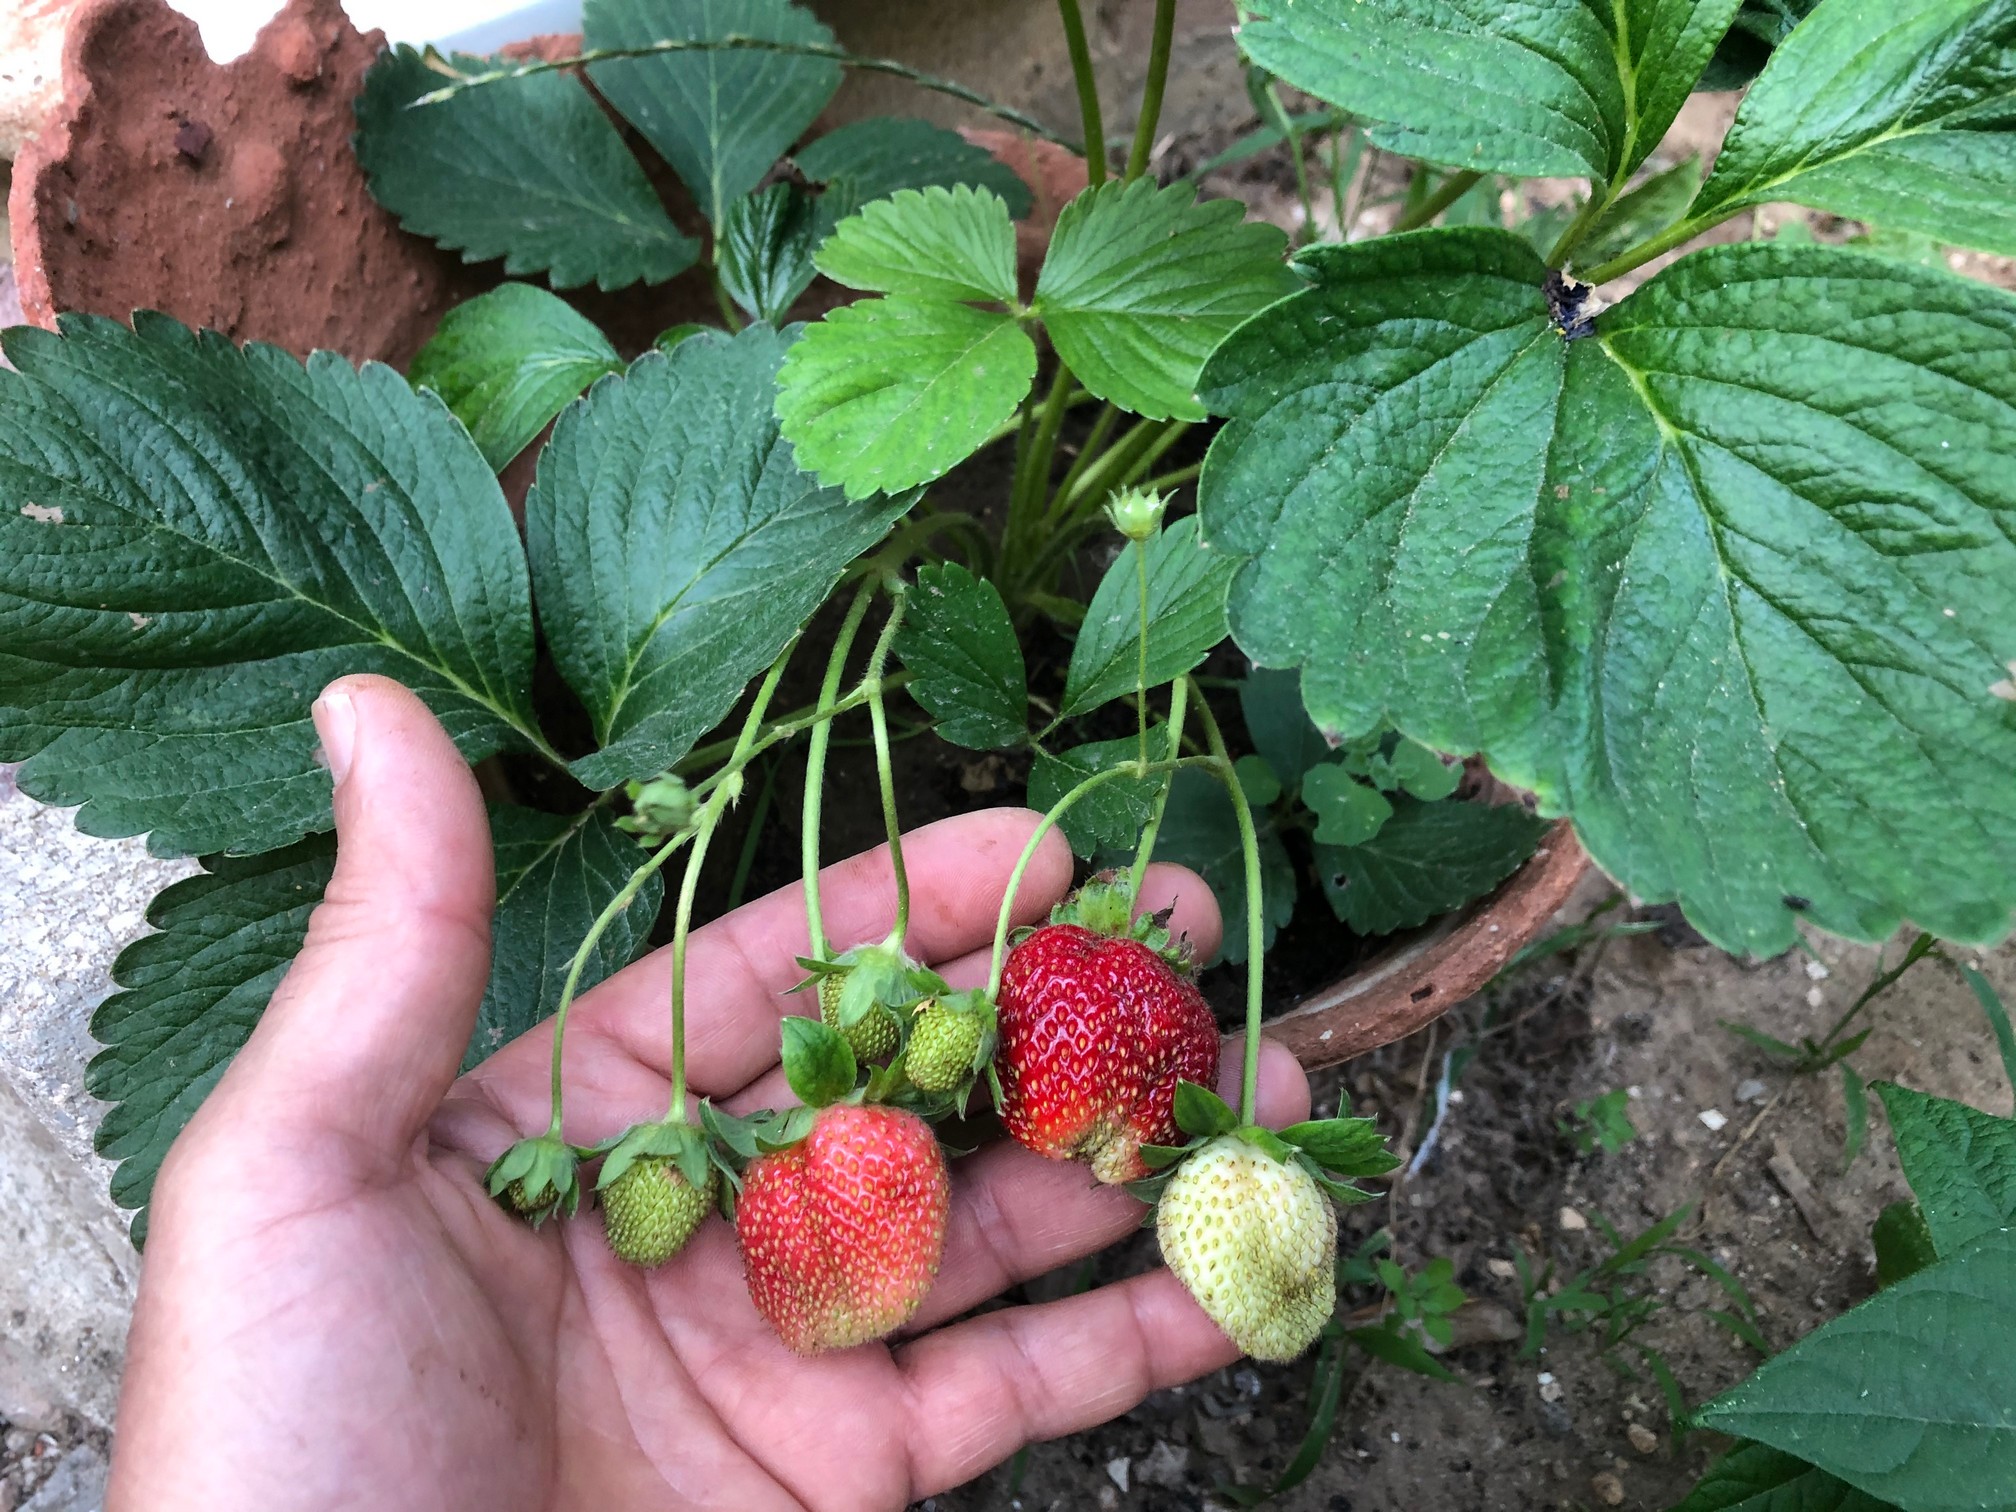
[684, 1144]
[1332, 1150]
[869, 994]
[537, 1178]
[1105, 905]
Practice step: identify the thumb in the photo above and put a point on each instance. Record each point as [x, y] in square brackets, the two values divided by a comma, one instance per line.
[367, 1030]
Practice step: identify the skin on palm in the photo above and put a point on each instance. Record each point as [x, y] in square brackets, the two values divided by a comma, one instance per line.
[333, 1313]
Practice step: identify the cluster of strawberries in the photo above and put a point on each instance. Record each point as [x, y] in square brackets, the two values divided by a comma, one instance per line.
[1098, 1047]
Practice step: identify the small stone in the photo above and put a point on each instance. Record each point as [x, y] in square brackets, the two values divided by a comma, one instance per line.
[1816, 971]
[1713, 1119]
[1504, 1270]
[1165, 1465]
[1551, 1390]
[1109, 1499]
[1815, 997]
[1116, 1471]
[1643, 1439]
[1609, 1490]
[1750, 1091]
[1573, 1222]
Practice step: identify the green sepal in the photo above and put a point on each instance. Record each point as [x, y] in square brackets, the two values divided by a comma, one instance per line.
[545, 1173]
[789, 1127]
[1340, 1191]
[1347, 1146]
[733, 1133]
[684, 1144]
[818, 1063]
[1149, 1190]
[1265, 1140]
[1105, 905]
[875, 974]
[1159, 1157]
[1202, 1112]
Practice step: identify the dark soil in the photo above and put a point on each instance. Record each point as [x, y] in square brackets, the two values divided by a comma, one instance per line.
[1525, 1432]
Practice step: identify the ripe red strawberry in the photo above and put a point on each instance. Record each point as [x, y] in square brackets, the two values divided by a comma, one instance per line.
[1095, 1033]
[841, 1233]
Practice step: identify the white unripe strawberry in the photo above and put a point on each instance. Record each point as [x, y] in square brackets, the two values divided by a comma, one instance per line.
[1255, 1241]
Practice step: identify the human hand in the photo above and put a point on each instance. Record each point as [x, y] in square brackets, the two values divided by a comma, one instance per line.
[332, 1312]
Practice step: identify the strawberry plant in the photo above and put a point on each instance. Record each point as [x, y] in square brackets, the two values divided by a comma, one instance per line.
[1719, 566]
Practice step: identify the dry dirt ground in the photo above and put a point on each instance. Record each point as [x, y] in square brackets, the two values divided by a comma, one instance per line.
[1768, 1196]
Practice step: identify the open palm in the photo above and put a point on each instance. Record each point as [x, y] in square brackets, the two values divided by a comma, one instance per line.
[332, 1313]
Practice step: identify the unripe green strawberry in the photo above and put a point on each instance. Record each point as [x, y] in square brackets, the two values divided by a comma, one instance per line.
[1255, 1241]
[872, 1037]
[651, 1210]
[943, 1042]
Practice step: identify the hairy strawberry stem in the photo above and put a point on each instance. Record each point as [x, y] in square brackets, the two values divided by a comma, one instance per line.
[616, 905]
[705, 824]
[1058, 810]
[1088, 91]
[1179, 695]
[815, 760]
[884, 772]
[954, 89]
[1151, 91]
[1141, 663]
[1256, 916]
[717, 791]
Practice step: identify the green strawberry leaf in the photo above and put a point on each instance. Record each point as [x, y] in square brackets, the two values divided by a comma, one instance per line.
[1910, 1397]
[1200, 831]
[1902, 1241]
[1960, 1162]
[1201, 1112]
[965, 662]
[722, 118]
[1348, 812]
[1348, 1146]
[677, 548]
[767, 245]
[890, 393]
[1420, 772]
[1112, 815]
[934, 244]
[1257, 781]
[1897, 114]
[1789, 715]
[1186, 618]
[555, 873]
[529, 170]
[818, 1063]
[1641, 212]
[1758, 1478]
[1287, 739]
[195, 538]
[1426, 860]
[508, 361]
[1140, 283]
[874, 158]
[1568, 88]
[192, 993]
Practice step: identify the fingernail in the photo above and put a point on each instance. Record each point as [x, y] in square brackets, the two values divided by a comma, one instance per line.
[336, 723]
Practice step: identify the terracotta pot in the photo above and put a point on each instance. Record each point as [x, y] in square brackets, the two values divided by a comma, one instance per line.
[259, 224]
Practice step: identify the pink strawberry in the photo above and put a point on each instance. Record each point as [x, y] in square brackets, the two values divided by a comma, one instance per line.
[841, 1233]
[1096, 1030]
